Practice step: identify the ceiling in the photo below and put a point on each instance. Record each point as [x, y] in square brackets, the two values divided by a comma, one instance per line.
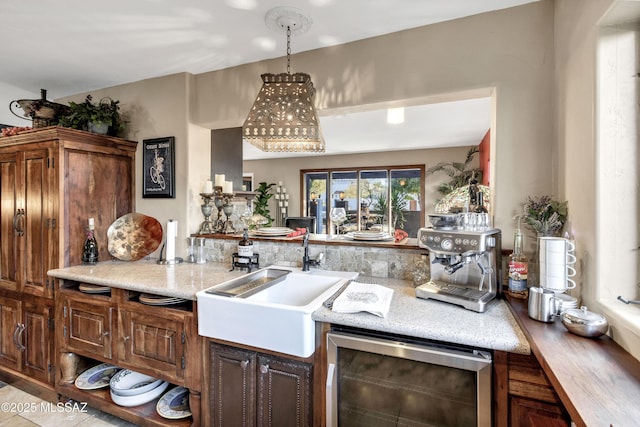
[75, 46]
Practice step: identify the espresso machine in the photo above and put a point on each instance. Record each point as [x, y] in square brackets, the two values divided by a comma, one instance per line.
[464, 266]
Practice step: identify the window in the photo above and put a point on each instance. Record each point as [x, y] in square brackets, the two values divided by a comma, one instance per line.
[618, 216]
[374, 198]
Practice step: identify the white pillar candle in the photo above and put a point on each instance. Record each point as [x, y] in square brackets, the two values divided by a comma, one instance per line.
[228, 187]
[170, 245]
[219, 180]
[208, 187]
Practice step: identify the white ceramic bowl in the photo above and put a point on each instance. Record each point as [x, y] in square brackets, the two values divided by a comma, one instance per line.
[132, 383]
[139, 399]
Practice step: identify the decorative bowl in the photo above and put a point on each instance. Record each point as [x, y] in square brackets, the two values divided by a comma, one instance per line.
[584, 323]
[131, 383]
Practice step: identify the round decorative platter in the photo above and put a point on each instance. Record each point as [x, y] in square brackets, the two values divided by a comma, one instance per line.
[134, 236]
[96, 377]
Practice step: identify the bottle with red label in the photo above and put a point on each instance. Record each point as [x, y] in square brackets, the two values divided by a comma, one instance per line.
[518, 267]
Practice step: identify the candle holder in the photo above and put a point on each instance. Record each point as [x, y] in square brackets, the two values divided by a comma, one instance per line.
[207, 225]
[227, 208]
[282, 204]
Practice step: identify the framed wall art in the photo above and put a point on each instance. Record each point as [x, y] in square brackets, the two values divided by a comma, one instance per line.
[158, 168]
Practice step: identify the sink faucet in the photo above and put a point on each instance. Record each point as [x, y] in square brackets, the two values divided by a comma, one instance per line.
[306, 261]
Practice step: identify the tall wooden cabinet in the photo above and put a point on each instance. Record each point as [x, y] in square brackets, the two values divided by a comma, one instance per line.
[51, 181]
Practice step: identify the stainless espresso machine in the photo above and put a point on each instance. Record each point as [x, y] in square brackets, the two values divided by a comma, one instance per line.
[465, 266]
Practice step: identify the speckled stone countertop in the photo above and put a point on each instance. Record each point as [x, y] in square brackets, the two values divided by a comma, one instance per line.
[180, 280]
[494, 329]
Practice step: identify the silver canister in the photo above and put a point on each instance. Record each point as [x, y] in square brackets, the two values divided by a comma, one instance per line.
[543, 304]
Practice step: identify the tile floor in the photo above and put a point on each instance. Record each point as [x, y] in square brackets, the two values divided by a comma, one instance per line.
[21, 409]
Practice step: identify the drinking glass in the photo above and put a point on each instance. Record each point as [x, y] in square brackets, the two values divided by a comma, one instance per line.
[338, 216]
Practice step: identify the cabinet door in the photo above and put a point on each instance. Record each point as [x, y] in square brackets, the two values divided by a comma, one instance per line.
[154, 342]
[11, 221]
[284, 392]
[10, 319]
[37, 223]
[87, 325]
[36, 341]
[98, 185]
[232, 386]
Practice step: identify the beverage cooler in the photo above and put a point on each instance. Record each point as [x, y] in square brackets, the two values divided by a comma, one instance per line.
[379, 380]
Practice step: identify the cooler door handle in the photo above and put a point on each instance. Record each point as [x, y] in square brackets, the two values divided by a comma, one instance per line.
[332, 408]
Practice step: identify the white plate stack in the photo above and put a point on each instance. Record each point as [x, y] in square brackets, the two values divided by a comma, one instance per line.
[567, 301]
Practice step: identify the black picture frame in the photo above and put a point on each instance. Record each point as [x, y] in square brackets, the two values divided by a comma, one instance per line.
[158, 168]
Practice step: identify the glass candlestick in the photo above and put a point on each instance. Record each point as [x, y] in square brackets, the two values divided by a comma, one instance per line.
[207, 225]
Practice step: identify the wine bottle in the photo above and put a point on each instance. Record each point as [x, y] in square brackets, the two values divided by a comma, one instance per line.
[518, 267]
[90, 250]
[245, 248]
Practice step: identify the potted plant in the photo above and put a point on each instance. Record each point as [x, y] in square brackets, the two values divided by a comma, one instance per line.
[545, 215]
[261, 202]
[102, 117]
[459, 172]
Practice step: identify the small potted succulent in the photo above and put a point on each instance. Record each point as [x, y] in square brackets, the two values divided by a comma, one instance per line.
[102, 117]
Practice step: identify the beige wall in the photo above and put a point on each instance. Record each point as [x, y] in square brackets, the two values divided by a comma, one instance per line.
[510, 51]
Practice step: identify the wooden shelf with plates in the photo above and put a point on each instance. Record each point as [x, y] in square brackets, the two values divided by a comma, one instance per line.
[115, 327]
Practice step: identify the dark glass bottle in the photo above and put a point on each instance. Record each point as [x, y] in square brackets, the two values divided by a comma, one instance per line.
[245, 248]
[90, 250]
[480, 205]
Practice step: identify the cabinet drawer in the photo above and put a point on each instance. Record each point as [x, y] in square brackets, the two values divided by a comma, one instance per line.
[154, 342]
[87, 326]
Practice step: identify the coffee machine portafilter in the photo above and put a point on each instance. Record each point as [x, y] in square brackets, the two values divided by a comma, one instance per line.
[464, 266]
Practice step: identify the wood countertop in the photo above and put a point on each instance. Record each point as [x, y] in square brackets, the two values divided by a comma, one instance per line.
[596, 379]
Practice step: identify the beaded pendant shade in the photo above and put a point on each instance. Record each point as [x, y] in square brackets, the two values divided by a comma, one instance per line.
[283, 117]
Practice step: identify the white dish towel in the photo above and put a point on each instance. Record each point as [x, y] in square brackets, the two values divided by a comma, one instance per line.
[356, 297]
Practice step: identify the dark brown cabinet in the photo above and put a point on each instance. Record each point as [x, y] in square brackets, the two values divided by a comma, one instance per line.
[51, 181]
[87, 324]
[160, 341]
[26, 334]
[524, 397]
[249, 388]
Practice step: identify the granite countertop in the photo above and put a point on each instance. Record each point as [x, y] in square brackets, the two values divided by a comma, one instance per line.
[495, 329]
[180, 280]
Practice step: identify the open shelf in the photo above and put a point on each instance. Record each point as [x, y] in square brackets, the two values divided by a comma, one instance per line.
[143, 415]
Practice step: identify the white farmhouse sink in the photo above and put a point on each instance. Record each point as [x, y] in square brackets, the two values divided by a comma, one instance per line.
[276, 317]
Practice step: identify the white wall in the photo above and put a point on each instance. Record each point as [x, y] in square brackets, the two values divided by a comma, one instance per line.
[14, 93]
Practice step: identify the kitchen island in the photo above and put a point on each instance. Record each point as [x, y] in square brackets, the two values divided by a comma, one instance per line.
[122, 316]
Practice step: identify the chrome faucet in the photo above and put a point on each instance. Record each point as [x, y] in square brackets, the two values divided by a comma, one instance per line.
[306, 261]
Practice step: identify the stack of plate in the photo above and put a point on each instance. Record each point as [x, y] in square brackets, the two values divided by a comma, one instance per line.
[369, 235]
[272, 231]
[130, 388]
[93, 289]
[150, 299]
[174, 404]
[97, 377]
[567, 301]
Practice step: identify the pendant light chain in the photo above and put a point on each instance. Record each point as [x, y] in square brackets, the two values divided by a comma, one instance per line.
[288, 49]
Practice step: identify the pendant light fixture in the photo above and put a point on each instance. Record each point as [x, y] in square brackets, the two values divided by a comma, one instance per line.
[283, 117]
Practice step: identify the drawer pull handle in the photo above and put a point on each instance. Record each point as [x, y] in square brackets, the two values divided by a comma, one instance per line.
[264, 369]
[127, 338]
[20, 327]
